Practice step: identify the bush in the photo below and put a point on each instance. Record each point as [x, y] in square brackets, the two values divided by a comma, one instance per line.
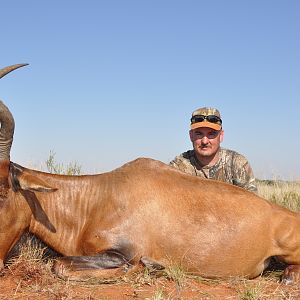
[58, 168]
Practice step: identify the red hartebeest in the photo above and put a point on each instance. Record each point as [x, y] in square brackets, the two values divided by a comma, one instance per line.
[142, 213]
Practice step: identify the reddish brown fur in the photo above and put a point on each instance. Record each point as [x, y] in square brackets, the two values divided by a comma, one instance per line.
[149, 210]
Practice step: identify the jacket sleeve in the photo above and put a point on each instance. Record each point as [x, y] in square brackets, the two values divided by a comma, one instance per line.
[243, 175]
[183, 163]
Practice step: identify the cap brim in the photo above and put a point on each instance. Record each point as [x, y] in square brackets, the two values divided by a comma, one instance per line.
[214, 126]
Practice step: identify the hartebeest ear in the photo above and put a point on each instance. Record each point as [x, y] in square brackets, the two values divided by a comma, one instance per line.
[21, 179]
[32, 183]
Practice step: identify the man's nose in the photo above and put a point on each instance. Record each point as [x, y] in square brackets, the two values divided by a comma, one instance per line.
[205, 140]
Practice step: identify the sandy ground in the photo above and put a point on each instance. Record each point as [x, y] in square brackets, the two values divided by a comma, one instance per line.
[23, 283]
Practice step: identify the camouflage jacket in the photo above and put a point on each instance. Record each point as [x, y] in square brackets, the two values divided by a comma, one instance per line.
[231, 167]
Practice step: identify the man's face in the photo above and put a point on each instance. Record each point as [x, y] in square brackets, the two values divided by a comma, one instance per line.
[206, 141]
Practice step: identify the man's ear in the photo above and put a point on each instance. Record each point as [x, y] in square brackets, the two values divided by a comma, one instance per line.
[221, 135]
[191, 132]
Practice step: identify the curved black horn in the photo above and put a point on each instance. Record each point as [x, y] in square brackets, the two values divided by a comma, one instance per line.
[6, 120]
[6, 132]
[6, 70]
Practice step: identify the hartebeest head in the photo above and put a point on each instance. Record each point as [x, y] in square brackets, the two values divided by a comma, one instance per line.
[18, 179]
[6, 132]
[17, 186]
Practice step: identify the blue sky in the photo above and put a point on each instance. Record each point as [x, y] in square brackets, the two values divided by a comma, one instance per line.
[110, 81]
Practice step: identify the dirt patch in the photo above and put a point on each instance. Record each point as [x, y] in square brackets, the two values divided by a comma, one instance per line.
[21, 282]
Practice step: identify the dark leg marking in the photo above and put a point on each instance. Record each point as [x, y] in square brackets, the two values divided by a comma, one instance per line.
[107, 260]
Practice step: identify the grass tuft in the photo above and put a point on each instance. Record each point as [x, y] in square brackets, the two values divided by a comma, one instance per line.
[158, 295]
[250, 294]
[177, 274]
[31, 266]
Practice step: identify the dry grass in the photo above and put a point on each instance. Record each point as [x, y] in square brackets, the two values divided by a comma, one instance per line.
[34, 280]
[284, 193]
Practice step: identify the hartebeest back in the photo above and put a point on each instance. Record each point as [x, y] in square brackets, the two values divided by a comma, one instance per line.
[143, 213]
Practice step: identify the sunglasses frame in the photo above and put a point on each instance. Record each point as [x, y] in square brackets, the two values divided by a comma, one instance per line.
[210, 118]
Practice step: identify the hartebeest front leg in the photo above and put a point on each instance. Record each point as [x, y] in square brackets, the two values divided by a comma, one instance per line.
[109, 264]
[104, 265]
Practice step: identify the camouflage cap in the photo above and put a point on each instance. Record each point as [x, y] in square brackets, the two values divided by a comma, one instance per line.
[199, 118]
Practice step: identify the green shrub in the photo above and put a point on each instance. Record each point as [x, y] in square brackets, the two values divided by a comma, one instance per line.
[59, 168]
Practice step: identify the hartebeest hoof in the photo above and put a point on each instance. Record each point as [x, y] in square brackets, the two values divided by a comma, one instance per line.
[151, 264]
[291, 274]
